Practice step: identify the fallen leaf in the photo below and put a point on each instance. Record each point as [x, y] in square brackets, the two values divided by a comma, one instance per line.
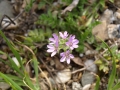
[58, 64]
[3, 56]
[78, 61]
[43, 74]
[71, 6]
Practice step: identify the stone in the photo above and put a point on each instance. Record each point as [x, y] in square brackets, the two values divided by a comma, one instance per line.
[100, 31]
[117, 15]
[6, 8]
[113, 31]
[63, 76]
[91, 66]
[8, 24]
[76, 86]
[107, 16]
[4, 86]
[87, 87]
[87, 78]
[117, 3]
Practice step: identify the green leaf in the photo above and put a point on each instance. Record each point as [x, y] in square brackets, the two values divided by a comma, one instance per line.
[41, 4]
[97, 83]
[106, 69]
[101, 67]
[15, 67]
[112, 76]
[113, 73]
[13, 50]
[35, 62]
[14, 85]
[102, 2]
[28, 82]
[16, 79]
[112, 1]
[98, 62]
[116, 87]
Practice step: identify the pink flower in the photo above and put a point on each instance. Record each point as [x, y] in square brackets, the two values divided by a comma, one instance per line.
[54, 39]
[72, 42]
[53, 48]
[63, 35]
[66, 56]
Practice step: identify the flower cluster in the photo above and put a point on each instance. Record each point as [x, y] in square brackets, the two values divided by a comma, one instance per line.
[65, 42]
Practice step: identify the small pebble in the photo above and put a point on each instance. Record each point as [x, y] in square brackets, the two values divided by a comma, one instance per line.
[87, 78]
[76, 86]
[87, 87]
[63, 76]
[81, 54]
[90, 66]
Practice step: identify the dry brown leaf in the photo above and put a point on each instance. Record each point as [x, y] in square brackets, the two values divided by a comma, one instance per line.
[71, 6]
[3, 56]
[58, 64]
[117, 3]
[28, 69]
[43, 74]
[78, 61]
[43, 86]
[25, 2]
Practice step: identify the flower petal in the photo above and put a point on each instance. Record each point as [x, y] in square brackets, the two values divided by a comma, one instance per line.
[61, 35]
[75, 41]
[75, 46]
[50, 50]
[68, 60]
[62, 54]
[71, 48]
[62, 59]
[67, 43]
[65, 33]
[50, 46]
[53, 53]
[71, 56]
[55, 36]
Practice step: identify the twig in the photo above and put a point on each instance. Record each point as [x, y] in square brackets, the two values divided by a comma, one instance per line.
[78, 70]
[71, 6]
[46, 78]
[11, 21]
[47, 68]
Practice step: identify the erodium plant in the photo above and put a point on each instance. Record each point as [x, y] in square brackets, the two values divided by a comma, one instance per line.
[63, 42]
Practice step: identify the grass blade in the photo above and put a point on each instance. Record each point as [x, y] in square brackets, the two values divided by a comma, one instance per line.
[97, 83]
[113, 73]
[13, 50]
[116, 87]
[15, 67]
[14, 85]
[35, 62]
